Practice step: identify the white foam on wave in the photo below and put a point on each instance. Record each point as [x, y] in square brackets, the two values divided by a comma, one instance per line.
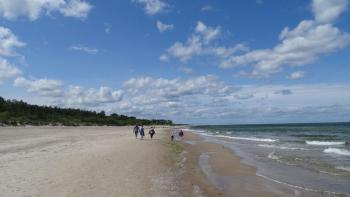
[205, 134]
[345, 168]
[273, 156]
[337, 151]
[331, 173]
[248, 138]
[325, 143]
[231, 137]
[194, 130]
[280, 147]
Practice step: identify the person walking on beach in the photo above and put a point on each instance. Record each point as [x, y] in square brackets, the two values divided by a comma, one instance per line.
[152, 132]
[142, 132]
[172, 135]
[136, 131]
[181, 133]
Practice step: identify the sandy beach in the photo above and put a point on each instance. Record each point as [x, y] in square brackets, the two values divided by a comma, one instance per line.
[85, 161]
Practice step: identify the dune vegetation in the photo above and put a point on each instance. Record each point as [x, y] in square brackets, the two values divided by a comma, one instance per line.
[15, 113]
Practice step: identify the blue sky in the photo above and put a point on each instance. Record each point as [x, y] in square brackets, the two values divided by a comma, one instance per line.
[198, 62]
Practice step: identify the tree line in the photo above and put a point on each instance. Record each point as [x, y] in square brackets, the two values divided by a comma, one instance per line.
[15, 113]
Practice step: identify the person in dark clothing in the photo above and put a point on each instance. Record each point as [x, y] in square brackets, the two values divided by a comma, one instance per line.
[181, 133]
[142, 132]
[152, 132]
[136, 131]
[172, 135]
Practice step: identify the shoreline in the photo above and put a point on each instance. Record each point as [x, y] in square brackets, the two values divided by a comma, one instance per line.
[225, 172]
[109, 161]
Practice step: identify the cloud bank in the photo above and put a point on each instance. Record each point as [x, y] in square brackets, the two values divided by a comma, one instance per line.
[71, 96]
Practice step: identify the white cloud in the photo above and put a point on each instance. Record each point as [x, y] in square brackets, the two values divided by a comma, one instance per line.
[185, 69]
[73, 96]
[108, 28]
[33, 9]
[327, 11]
[79, 96]
[303, 103]
[283, 92]
[208, 33]
[206, 85]
[299, 46]
[202, 99]
[162, 27]
[302, 45]
[76, 8]
[224, 52]
[153, 7]
[164, 58]
[201, 43]
[297, 75]
[244, 96]
[8, 42]
[298, 95]
[185, 51]
[207, 8]
[151, 97]
[206, 98]
[44, 87]
[85, 49]
[7, 70]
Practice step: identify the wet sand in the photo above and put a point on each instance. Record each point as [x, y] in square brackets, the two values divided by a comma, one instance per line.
[219, 172]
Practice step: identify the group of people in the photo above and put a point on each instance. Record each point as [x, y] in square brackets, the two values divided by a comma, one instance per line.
[140, 130]
[174, 133]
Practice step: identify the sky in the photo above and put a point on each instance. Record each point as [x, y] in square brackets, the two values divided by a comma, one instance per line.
[195, 62]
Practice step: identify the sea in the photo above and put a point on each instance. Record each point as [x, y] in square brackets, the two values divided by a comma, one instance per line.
[314, 157]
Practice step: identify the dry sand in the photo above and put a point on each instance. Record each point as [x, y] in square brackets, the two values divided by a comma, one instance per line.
[86, 161]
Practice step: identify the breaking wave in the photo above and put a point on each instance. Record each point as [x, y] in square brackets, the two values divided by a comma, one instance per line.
[273, 156]
[248, 138]
[280, 147]
[337, 151]
[325, 143]
[345, 168]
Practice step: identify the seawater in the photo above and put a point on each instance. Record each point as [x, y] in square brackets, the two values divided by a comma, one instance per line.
[311, 156]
